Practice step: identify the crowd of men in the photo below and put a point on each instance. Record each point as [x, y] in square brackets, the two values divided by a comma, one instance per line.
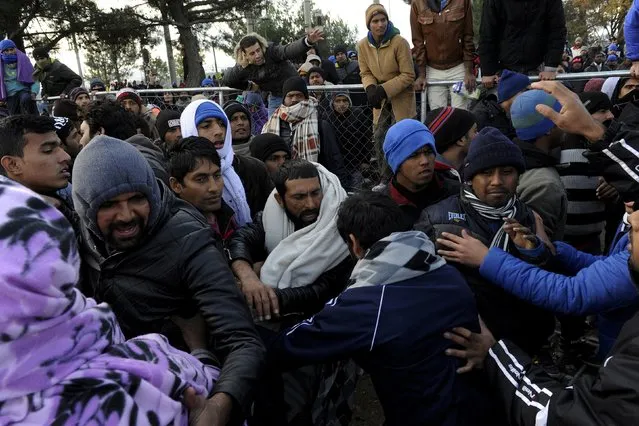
[489, 278]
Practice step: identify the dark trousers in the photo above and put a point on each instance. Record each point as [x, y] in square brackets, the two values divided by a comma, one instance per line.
[386, 120]
[21, 103]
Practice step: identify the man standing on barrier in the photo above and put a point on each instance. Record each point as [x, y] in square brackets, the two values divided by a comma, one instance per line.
[387, 72]
[264, 66]
[443, 39]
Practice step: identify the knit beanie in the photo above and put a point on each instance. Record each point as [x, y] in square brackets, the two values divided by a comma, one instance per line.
[340, 48]
[63, 127]
[97, 84]
[77, 91]
[317, 70]
[207, 82]
[511, 83]
[106, 168]
[595, 101]
[449, 125]
[343, 95]
[66, 108]
[265, 144]
[372, 10]
[577, 60]
[40, 52]
[166, 120]
[403, 139]
[232, 107]
[612, 58]
[490, 148]
[7, 44]
[594, 85]
[128, 93]
[528, 123]
[295, 84]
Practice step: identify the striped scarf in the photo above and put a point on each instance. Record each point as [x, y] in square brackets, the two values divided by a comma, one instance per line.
[509, 210]
[304, 123]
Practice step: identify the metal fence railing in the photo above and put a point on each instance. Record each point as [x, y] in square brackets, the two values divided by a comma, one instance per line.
[353, 124]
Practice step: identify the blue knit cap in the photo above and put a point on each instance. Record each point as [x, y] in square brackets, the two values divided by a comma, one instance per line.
[528, 123]
[7, 44]
[106, 168]
[403, 139]
[207, 82]
[209, 110]
[511, 83]
[489, 149]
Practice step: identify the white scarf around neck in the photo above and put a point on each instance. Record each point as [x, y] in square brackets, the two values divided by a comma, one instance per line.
[298, 258]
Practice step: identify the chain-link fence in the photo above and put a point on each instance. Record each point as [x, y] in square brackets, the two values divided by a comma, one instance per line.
[344, 107]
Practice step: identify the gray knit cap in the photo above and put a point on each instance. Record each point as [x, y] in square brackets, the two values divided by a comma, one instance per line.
[108, 167]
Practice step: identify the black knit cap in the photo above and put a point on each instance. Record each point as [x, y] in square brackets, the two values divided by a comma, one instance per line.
[66, 108]
[166, 120]
[490, 148]
[340, 48]
[232, 107]
[40, 52]
[595, 101]
[318, 70]
[262, 146]
[449, 125]
[295, 84]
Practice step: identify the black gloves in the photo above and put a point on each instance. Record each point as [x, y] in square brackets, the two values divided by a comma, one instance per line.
[375, 94]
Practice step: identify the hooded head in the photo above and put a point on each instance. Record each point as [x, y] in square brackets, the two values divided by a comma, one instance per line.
[205, 113]
[207, 119]
[97, 85]
[7, 57]
[107, 169]
[341, 102]
[626, 90]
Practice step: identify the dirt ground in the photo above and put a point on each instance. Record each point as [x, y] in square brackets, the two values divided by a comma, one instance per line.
[367, 410]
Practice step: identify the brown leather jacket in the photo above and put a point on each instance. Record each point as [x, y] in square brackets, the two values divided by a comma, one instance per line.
[443, 39]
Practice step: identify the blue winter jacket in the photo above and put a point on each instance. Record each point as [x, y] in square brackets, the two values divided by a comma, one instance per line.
[599, 285]
[395, 333]
[631, 31]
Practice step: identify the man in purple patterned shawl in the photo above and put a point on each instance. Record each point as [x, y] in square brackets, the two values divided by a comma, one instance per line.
[17, 87]
[63, 357]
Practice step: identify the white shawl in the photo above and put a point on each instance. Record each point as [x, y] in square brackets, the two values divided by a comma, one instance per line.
[234, 194]
[298, 258]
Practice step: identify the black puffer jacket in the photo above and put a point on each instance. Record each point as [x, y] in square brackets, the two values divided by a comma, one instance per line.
[276, 69]
[57, 78]
[178, 270]
[489, 114]
[256, 180]
[248, 243]
[504, 314]
[520, 35]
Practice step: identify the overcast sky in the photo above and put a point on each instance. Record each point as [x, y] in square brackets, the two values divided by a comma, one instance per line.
[351, 11]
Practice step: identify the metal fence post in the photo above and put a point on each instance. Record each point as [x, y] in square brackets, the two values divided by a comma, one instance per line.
[423, 99]
[221, 97]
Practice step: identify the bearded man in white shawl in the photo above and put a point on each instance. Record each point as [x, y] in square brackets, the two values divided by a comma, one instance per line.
[305, 264]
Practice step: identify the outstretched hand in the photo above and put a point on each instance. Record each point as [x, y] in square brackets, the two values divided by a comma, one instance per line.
[467, 250]
[315, 35]
[573, 117]
[476, 346]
